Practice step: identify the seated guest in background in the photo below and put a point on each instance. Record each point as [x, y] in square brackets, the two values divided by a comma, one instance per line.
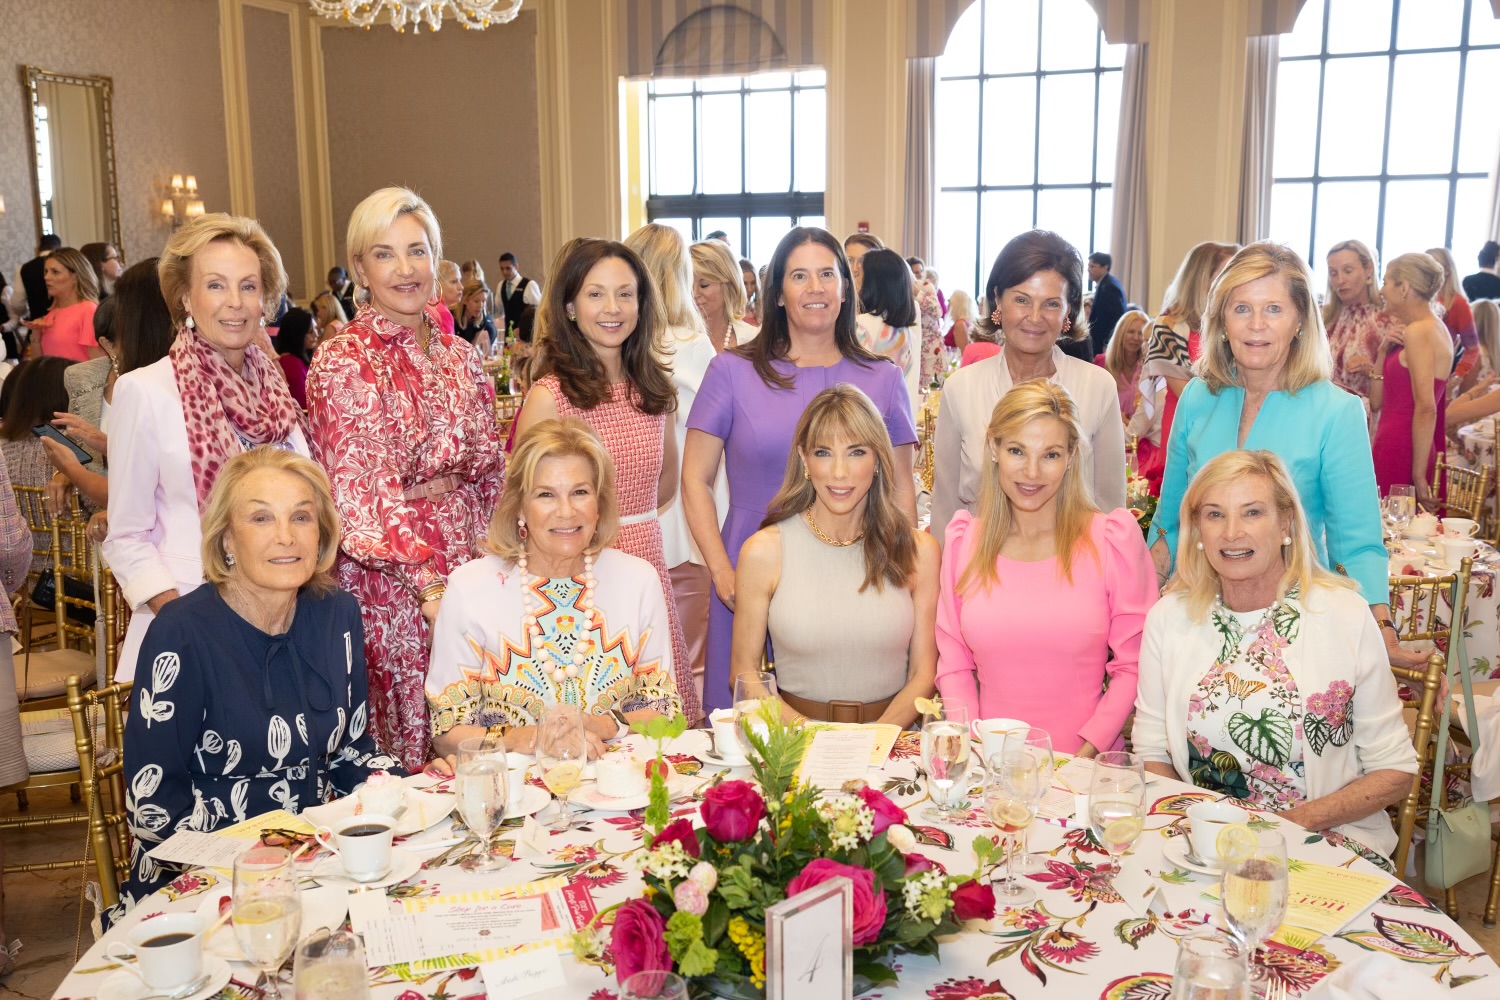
[219, 275]
[33, 393]
[836, 546]
[1482, 400]
[108, 266]
[887, 322]
[1485, 283]
[1123, 358]
[1253, 627]
[752, 293]
[1487, 332]
[984, 340]
[295, 341]
[1039, 575]
[1037, 283]
[329, 314]
[472, 321]
[1458, 317]
[720, 296]
[1109, 299]
[1354, 316]
[960, 319]
[253, 693]
[553, 613]
[67, 331]
[1410, 393]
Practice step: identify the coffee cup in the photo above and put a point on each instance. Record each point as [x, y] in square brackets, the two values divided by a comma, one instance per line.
[164, 952]
[1425, 525]
[726, 740]
[1460, 527]
[362, 843]
[1455, 550]
[517, 766]
[1205, 821]
[991, 733]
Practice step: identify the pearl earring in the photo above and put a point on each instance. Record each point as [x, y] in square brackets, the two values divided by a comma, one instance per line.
[1200, 546]
[1286, 540]
[190, 324]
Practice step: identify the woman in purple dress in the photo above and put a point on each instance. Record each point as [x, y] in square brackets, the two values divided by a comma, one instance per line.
[749, 404]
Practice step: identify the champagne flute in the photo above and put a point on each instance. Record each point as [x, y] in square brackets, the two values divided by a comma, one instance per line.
[1117, 802]
[331, 966]
[1253, 893]
[266, 911]
[480, 784]
[1011, 792]
[1041, 741]
[562, 749]
[945, 759]
[750, 691]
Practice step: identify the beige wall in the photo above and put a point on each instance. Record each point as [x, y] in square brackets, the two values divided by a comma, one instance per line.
[163, 56]
[452, 115]
[273, 137]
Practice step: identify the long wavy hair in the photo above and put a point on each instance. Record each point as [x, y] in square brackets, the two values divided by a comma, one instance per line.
[567, 353]
[665, 254]
[1035, 399]
[1114, 351]
[775, 339]
[842, 413]
[1187, 296]
[1331, 304]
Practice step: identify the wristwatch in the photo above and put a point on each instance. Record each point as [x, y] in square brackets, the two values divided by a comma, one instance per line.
[624, 726]
[1387, 623]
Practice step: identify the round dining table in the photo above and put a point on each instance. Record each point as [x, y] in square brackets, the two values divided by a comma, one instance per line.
[1079, 937]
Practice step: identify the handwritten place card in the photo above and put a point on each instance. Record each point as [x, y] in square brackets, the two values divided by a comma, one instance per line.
[522, 975]
[201, 850]
[810, 944]
[836, 756]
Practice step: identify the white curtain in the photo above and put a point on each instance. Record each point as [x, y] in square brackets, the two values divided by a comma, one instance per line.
[921, 173]
[1261, 59]
[1129, 244]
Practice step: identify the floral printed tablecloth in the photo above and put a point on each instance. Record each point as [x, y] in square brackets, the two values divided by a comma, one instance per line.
[1079, 938]
[1481, 609]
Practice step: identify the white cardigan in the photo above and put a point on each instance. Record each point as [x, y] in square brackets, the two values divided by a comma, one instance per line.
[1338, 641]
[154, 528]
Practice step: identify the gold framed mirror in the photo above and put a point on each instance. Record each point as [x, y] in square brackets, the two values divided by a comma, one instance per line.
[73, 155]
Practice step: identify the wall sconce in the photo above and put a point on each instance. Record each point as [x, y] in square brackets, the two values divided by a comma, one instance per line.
[183, 203]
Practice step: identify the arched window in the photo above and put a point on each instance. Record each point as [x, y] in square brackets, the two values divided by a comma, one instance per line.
[1028, 106]
[1386, 127]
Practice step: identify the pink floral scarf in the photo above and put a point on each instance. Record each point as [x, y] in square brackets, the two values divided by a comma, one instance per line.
[225, 410]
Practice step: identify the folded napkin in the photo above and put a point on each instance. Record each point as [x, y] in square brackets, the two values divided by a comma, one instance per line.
[1378, 976]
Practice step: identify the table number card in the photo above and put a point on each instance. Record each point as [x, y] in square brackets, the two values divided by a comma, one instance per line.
[810, 944]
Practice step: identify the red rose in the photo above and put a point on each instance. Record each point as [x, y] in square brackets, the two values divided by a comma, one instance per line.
[869, 900]
[918, 863]
[638, 940]
[887, 813]
[972, 901]
[680, 830]
[732, 811]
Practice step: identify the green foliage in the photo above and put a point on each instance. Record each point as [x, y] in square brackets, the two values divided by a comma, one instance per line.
[659, 730]
[984, 849]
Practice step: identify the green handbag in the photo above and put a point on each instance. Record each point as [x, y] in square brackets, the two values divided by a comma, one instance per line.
[1458, 840]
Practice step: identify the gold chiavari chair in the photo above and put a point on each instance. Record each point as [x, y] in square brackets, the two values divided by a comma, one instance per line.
[506, 410]
[114, 618]
[32, 501]
[925, 434]
[103, 769]
[42, 673]
[1466, 488]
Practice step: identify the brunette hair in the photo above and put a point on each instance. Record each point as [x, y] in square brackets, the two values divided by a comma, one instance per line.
[216, 513]
[143, 322]
[564, 437]
[96, 254]
[38, 394]
[291, 335]
[470, 287]
[567, 353]
[868, 240]
[887, 288]
[1032, 253]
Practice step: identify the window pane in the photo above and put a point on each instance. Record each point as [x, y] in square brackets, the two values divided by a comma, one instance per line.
[817, 221]
[1066, 212]
[719, 83]
[954, 229]
[1483, 29]
[670, 85]
[1352, 138]
[957, 132]
[1477, 142]
[812, 139]
[1296, 119]
[1109, 124]
[719, 145]
[1070, 31]
[1009, 131]
[1063, 151]
[1470, 216]
[765, 233]
[672, 145]
[1104, 206]
[1306, 39]
[812, 78]
[1345, 212]
[1359, 25]
[1291, 215]
[764, 81]
[1112, 55]
[1426, 91]
[1416, 216]
[768, 165]
[731, 225]
[1010, 35]
[1431, 23]
[1004, 215]
[961, 56]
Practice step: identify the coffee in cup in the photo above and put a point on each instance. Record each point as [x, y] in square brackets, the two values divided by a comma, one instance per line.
[164, 952]
[363, 845]
[1205, 821]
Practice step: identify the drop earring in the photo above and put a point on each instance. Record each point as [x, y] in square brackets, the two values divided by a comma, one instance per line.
[521, 528]
[190, 324]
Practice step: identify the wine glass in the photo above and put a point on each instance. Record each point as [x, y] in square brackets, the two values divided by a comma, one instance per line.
[945, 759]
[480, 786]
[654, 986]
[1041, 741]
[1012, 789]
[1208, 965]
[1253, 893]
[1401, 506]
[266, 911]
[330, 965]
[750, 690]
[562, 750]
[1117, 801]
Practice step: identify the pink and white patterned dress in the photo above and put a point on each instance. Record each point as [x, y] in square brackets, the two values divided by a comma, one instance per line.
[386, 418]
[635, 441]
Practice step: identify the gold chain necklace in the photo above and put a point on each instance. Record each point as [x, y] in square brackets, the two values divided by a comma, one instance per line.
[808, 516]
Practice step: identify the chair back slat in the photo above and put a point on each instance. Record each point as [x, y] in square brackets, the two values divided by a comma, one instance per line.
[102, 781]
[1463, 490]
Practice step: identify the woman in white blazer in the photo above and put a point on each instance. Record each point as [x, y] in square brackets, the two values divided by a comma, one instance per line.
[174, 423]
[1262, 675]
[719, 293]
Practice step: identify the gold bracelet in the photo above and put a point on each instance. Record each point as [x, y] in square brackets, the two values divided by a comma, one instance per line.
[432, 592]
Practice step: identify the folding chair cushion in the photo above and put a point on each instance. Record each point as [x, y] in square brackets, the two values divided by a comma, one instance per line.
[46, 676]
[47, 739]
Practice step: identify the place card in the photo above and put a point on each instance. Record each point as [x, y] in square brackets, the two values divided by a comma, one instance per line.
[523, 974]
[532, 840]
[810, 944]
[200, 850]
[367, 905]
[453, 929]
[1136, 885]
[836, 756]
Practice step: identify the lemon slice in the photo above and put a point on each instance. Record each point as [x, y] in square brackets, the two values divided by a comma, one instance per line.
[1235, 842]
[930, 706]
[1123, 831]
[562, 778]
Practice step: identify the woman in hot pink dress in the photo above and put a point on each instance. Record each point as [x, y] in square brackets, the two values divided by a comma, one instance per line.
[1041, 596]
[600, 327]
[1409, 394]
[403, 419]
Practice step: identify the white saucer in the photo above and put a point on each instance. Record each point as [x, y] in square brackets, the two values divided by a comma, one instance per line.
[124, 985]
[589, 796]
[533, 800]
[404, 865]
[1175, 850]
[424, 809]
[719, 760]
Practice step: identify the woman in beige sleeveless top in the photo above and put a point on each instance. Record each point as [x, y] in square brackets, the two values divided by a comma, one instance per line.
[836, 579]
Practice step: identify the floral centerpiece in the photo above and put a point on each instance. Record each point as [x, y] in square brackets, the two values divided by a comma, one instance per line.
[1141, 502]
[761, 842]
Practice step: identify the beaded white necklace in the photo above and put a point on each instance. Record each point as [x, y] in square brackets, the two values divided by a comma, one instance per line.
[559, 673]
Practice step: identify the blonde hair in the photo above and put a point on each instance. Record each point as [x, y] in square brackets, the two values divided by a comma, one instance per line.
[1187, 295]
[327, 307]
[961, 306]
[1487, 327]
[1448, 290]
[379, 211]
[448, 269]
[470, 287]
[82, 269]
[217, 512]
[713, 260]
[1035, 399]
[472, 270]
[1419, 272]
[1308, 360]
[174, 268]
[565, 437]
[1332, 307]
[665, 254]
[1196, 578]
[1114, 351]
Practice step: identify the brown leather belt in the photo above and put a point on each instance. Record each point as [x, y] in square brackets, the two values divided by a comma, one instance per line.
[836, 711]
[433, 488]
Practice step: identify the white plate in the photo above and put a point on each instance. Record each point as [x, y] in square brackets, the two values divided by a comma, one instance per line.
[423, 809]
[123, 985]
[589, 796]
[322, 906]
[719, 760]
[1175, 850]
[533, 800]
[404, 865]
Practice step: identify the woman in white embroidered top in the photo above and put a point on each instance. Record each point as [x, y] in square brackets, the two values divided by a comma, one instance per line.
[1262, 675]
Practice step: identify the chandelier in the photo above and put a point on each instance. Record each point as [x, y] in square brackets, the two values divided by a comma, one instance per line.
[479, 14]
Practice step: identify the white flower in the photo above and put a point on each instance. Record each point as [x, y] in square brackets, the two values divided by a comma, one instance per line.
[850, 821]
[705, 874]
[667, 861]
[901, 838]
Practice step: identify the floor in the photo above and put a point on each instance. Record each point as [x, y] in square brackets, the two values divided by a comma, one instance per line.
[42, 909]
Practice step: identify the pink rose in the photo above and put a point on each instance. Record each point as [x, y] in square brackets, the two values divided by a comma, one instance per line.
[638, 940]
[887, 813]
[916, 864]
[681, 831]
[732, 811]
[972, 901]
[869, 900]
[690, 897]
